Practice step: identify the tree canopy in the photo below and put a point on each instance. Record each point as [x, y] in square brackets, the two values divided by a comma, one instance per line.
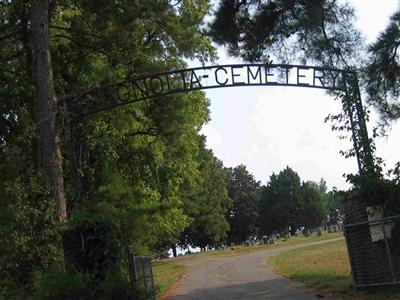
[279, 201]
[132, 166]
[244, 191]
[208, 205]
[286, 201]
[382, 72]
[319, 32]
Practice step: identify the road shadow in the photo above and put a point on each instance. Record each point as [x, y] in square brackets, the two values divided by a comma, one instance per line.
[278, 288]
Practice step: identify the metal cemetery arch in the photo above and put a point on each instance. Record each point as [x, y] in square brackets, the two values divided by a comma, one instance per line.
[140, 88]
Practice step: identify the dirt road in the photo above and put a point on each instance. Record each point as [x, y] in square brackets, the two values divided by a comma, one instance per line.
[243, 276]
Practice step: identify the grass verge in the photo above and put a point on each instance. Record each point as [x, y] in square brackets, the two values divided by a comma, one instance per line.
[166, 273]
[325, 268]
[293, 241]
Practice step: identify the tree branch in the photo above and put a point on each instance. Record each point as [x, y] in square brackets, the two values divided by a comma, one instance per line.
[329, 40]
[78, 32]
[150, 131]
[90, 47]
[10, 35]
[13, 56]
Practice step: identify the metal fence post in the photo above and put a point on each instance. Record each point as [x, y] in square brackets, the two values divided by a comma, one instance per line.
[388, 252]
[141, 273]
[132, 267]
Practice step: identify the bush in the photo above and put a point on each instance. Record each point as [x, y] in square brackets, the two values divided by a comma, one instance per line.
[62, 285]
[29, 240]
[118, 286]
[95, 263]
[91, 244]
[2, 295]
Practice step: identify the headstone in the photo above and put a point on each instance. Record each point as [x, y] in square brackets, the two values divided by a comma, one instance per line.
[264, 239]
[319, 231]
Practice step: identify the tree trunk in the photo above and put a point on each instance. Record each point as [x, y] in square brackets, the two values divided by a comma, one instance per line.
[47, 105]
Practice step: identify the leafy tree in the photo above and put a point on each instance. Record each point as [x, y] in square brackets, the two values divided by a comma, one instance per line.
[382, 73]
[244, 191]
[279, 201]
[130, 164]
[287, 202]
[207, 207]
[317, 31]
[312, 204]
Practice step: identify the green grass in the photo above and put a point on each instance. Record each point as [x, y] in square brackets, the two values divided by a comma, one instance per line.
[326, 268]
[166, 273]
[280, 244]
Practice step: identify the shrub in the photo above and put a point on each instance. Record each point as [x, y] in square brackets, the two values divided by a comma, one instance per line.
[61, 285]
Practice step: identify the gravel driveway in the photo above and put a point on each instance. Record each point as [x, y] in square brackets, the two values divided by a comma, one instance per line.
[242, 276]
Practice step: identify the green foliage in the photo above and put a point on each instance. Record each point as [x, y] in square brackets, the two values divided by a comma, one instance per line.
[132, 164]
[207, 205]
[58, 284]
[61, 285]
[92, 243]
[279, 201]
[287, 202]
[312, 204]
[29, 240]
[117, 285]
[386, 193]
[321, 31]
[244, 191]
[95, 262]
[382, 72]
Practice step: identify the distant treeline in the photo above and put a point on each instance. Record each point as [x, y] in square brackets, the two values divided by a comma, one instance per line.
[252, 210]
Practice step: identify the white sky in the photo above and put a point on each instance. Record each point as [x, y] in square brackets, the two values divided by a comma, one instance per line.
[268, 128]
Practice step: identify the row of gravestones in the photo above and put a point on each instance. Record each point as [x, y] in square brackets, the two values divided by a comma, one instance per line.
[273, 238]
[320, 230]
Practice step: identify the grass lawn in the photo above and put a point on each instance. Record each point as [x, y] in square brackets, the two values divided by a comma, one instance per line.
[166, 273]
[326, 268]
[280, 244]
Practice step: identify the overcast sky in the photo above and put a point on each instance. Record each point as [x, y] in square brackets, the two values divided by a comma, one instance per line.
[268, 128]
